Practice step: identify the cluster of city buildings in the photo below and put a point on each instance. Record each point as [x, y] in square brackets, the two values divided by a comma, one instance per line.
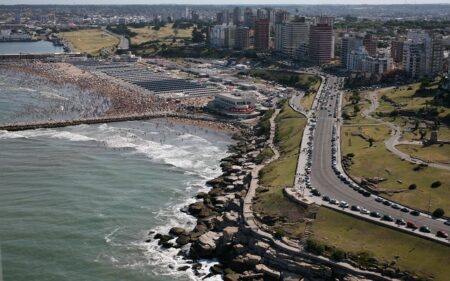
[293, 36]
[359, 55]
[419, 53]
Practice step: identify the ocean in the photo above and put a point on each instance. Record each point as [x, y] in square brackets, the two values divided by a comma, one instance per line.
[37, 47]
[77, 203]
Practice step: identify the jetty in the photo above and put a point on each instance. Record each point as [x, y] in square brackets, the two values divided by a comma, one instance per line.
[101, 120]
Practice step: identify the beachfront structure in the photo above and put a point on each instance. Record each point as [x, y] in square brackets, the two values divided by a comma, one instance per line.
[151, 79]
[7, 36]
[233, 105]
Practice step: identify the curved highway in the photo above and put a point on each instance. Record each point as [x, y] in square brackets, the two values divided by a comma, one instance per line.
[324, 178]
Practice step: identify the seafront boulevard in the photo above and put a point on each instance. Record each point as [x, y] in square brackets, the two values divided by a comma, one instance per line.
[226, 228]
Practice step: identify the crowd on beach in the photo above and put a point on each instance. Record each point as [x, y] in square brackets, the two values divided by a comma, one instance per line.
[103, 96]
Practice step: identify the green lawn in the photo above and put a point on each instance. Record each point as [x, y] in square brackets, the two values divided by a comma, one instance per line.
[377, 161]
[90, 41]
[269, 200]
[409, 253]
[435, 153]
[145, 34]
[307, 82]
[307, 101]
[356, 117]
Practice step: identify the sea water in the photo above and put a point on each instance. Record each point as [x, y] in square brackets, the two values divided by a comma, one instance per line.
[77, 203]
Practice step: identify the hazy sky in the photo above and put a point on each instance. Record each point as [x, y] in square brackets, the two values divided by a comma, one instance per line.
[217, 2]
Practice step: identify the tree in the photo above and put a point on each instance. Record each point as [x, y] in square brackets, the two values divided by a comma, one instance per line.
[422, 133]
[338, 255]
[197, 36]
[371, 141]
[436, 184]
[439, 212]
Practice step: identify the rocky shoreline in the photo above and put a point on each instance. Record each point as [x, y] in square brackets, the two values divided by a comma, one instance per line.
[221, 233]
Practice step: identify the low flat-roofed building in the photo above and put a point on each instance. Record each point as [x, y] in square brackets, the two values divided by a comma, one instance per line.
[234, 105]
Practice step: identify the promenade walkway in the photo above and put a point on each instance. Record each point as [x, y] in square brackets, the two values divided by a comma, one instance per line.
[285, 245]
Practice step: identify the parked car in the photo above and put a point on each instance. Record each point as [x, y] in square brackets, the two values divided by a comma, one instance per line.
[411, 225]
[355, 208]
[343, 204]
[441, 234]
[387, 218]
[333, 201]
[315, 192]
[447, 222]
[400, 222]
[395, 206]
[425, 229]
[379, 199]
[415, 213]
[326, 198]
[364, 211]
[387, 203]
[375, 214]
[404, 210]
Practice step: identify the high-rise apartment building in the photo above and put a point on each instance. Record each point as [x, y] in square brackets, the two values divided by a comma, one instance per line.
[349, 43]
[423, 55]
[249, 18]
[370, 43]
[294, 34]
[397, 50]
[242, 40]
[237, 15]
[261, 36]
[321, 40]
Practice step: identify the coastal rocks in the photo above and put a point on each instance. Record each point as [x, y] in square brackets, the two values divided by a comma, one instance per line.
[206, 245]
[229, 234]
[176, 231]
[269, 274]
[199, 209]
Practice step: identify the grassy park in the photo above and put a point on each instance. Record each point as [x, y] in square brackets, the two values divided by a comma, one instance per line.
[439, 153]
[90, 41]
[270, 201]
[367, 241]
[377, 161]
[148, 33]
[308, 82]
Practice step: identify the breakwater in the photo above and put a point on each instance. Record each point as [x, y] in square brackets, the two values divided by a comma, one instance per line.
[99, 120]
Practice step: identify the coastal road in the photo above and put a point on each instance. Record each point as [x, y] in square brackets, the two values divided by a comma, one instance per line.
[324, 179]
[124, 44]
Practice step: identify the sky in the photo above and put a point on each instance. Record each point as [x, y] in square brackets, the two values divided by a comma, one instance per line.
[218, 2]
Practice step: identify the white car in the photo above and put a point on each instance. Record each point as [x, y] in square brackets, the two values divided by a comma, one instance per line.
[364, 211]
[343, 204]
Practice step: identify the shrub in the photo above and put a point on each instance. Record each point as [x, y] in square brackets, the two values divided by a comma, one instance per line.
[436, 184]
[412, 186]
[350, 155]
[279, 233]
[439, 212]
[314, 247]
[338, 255]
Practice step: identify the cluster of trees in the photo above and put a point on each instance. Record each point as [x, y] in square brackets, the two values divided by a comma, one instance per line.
[290, 79]
[122, 30]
